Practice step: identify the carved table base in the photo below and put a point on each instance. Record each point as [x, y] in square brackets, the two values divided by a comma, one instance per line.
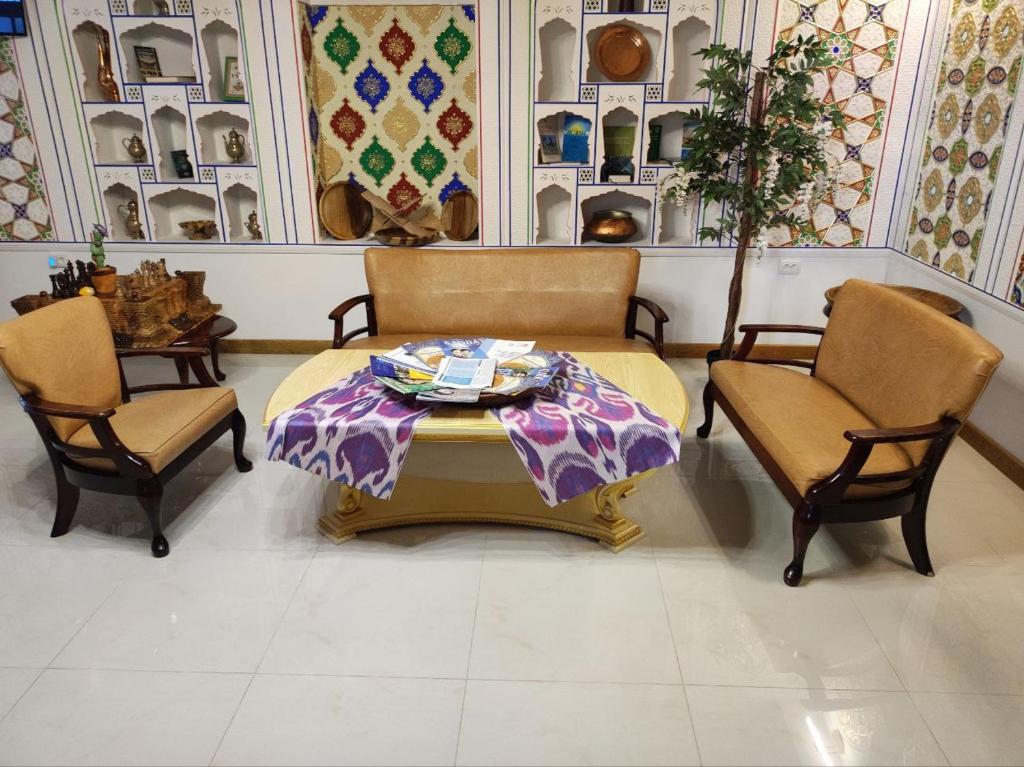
[416, 501]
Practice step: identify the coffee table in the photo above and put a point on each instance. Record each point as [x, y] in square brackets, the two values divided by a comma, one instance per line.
[471, 487]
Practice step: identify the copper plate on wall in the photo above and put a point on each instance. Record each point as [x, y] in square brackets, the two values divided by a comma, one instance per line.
[622, 53]
[343, 211]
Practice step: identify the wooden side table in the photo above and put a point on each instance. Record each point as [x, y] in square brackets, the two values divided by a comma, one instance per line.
[207, 335]
[948, 306]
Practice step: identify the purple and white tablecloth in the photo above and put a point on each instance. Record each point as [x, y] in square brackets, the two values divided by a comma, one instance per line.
[580, 433]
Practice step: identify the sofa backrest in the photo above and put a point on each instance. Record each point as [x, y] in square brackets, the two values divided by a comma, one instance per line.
[900, 362]
[63, 353]
[509, 292]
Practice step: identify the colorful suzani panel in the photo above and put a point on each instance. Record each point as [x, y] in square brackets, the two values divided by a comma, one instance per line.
[863, 41]
[974, 94]
[392, 99]
[24, 214]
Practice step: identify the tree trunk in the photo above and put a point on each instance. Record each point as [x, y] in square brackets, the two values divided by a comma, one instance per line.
[746, 224]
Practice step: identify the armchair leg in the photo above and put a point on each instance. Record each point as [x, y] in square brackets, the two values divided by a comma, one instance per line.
[806, 521]
[238, 436]
[150, 497]
[914, 536]
[67, 504]
[704, 430]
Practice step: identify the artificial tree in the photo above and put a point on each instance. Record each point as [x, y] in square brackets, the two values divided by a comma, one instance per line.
[758, 152]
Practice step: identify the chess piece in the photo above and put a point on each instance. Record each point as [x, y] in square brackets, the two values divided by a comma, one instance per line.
[55, 290]
[253, 226]
[82, 280]
[234, 145]
[135, 148]
[104, 74]
[130, 212]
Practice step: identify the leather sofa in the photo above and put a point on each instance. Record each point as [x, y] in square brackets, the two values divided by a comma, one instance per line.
[891, 384]
[579, 299]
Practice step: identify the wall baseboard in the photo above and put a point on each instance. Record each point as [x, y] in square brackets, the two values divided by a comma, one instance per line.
[994, 453]
[684, 351]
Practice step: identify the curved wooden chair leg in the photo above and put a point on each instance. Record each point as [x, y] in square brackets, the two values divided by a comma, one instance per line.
[238, 438]
[709, 412]
[914, 536]
[806, 521]
[67, 504]
[150, 497]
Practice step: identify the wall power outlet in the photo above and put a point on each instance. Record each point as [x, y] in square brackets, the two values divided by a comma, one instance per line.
[790, 266]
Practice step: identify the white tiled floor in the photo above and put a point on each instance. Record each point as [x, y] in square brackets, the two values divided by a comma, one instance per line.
[256, 642]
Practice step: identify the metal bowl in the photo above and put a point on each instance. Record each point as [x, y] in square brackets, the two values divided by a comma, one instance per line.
[611, 226]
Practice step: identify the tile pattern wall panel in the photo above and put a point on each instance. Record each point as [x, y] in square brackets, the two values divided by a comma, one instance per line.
[863, 40]
[974, 94]
[393, 98]
[24, 214]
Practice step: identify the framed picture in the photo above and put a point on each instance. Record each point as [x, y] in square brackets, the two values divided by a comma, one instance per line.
[234, 86]
[148, 62]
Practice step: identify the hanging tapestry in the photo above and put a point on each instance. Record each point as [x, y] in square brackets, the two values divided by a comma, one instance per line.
[392, 92]
[862, 40]
[24, 214]
[974, 95]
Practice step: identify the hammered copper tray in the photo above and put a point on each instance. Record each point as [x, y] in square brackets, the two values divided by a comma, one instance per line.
[622, 53]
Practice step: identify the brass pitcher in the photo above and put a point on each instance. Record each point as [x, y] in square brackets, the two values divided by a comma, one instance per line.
[130, 213]
[136, 149]
[104, 74]
[253, 226]
[234, 145]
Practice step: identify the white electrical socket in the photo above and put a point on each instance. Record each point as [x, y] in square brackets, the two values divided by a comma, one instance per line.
[790, 266]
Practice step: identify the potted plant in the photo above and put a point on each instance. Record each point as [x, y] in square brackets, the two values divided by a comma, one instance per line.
[104, 278]
[757, 153]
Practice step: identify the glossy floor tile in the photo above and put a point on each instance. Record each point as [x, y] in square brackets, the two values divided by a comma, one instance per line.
[259, 642]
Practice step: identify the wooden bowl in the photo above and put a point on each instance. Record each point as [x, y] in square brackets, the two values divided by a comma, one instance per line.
[395, 235]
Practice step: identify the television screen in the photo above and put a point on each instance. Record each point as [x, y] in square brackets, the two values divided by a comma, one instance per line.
[12, 17]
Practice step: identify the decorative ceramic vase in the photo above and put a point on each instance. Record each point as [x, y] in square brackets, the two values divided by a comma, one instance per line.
[105, 281]
[130, 213]
[135, 148]
[234, 145]
[611, 226]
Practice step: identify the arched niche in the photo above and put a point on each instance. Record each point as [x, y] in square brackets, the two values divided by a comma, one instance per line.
[220, 40]
[653, 37]
[239, 202]
[557, 121]
[172, 207]
[676, 223]
[212, 129]
[87, 37]
[669, 147]
[151, 8]
[115, 196]
[171, 131]
[688, 36]
[173, 47]
[616, 199]
[108, 130]
[620, 117]
[557, 61]
[554, 208]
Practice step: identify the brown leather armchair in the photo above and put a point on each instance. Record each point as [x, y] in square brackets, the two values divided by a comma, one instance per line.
[564, 299]
[862, 437]
[62, 361]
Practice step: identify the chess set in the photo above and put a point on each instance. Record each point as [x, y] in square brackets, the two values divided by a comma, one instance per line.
[149, 307]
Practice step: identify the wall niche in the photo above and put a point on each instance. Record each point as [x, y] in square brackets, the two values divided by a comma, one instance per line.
[170, 127]
[239, 202]
[114, 197]
[688, 36]
[651, 35]
[87, 36]
[220, 40]
[213, 127]
[557, 61]
[108, 131]
[638, 207]
[172, 207]
[174, 48]
[554, 208]
[671, 131]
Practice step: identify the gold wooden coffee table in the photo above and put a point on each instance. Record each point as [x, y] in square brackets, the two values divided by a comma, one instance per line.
[486, 483]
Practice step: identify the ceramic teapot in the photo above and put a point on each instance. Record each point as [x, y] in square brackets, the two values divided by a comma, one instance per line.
[135, 148]
[234, 145]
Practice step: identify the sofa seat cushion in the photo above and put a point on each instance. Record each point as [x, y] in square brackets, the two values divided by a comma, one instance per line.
[800, 422]
[548, 343]
[160, 427]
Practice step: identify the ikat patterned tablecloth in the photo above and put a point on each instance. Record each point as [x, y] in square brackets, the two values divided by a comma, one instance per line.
[581, 433]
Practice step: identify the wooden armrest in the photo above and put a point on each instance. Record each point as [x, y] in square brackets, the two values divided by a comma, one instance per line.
[165, 351]
[33, 404]
[756, 328]
[943, 428]
[338, 314]
[656, 311]
[750, 333]
[660, 318]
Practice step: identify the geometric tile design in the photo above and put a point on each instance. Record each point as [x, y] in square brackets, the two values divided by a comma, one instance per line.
[974, 94]
[863, 40]
[586, 175]
[24, 214]
[652, 92]
[648, 175]
[588, 93]
[195, 92]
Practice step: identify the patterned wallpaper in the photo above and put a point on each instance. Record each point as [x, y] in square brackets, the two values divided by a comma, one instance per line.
[974, 93]
[393, 92]
[863, 40]
[24, 214]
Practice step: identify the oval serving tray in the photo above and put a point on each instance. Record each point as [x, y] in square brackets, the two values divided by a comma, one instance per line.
[622, 53]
